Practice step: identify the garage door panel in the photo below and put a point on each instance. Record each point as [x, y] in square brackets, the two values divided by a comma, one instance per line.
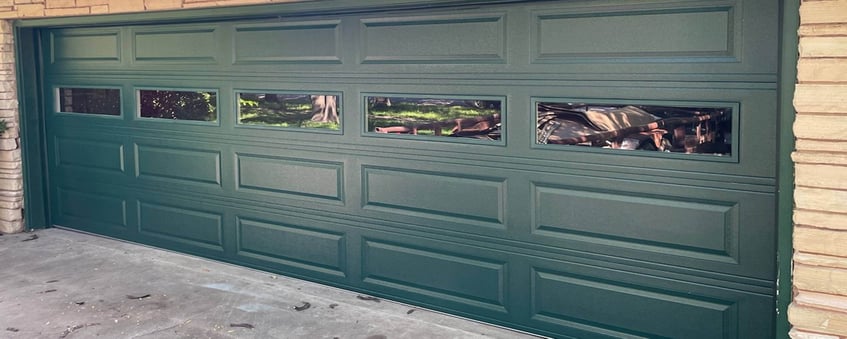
[303, 42]
[685, 35]
[453, 275]
[78, 207]
[193, 44]
[103, 156]
[432, 39]
[290, 177]
[564, 299]
[576, 297]
[187, 225]
[471, 199]
[101, 47]
[292, 245]
[706, 228]
[652, 37]
[174, 163]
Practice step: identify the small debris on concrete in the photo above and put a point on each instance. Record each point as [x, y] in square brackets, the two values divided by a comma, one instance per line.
[47, 291]
[128, 296]
[303, 307]
[410, 311]
[31, 238]
[80, 303]
[50, 281]
[11, 329]
[368, 298]
[70, 330]
[333, 306]
[243, 325]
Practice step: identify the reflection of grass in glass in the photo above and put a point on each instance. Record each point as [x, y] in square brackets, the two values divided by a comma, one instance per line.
[415, 114]
[296, 112]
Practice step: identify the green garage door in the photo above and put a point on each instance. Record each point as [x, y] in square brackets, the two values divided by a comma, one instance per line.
[587, 169]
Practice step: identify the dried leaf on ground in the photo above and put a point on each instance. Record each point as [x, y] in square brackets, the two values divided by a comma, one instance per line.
[128, 296]
[304, 306]
[367, 298]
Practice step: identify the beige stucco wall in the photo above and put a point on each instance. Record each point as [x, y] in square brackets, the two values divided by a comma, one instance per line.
[819, 308]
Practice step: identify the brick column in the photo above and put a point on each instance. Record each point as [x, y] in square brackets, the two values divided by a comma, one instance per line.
[819, 310]
[11, 175]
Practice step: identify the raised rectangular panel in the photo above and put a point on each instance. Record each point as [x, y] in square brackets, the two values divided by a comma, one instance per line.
[689, 227]
[290, 176]
[194, 45]
[90, 154]
[92, 208]
[434, 273]
[435, 39]
[292, 245]
[631, 311]
[668, 35]
[436, 195]
[91, 46]
[199, 228]
[188, 165]
[297, 42]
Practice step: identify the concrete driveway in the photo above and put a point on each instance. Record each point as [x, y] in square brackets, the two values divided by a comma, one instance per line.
[62, 284]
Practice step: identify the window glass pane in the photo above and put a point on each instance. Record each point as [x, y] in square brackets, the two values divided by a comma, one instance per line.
[445, 117]
[289, 110]
[179, 105]
[105, 101]
[703, 130]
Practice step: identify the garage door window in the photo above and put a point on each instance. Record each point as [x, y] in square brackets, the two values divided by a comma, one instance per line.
[289, 110]
[477, 118]
[674, 129]
[100, 101]
[178, 105]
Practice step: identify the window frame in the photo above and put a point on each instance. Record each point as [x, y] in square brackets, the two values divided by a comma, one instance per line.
[137, 105]
[735, 107]
[237, 110]
[57, 104]
[503, 99]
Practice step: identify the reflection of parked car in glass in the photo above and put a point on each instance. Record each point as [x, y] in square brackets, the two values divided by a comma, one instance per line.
[658, 128]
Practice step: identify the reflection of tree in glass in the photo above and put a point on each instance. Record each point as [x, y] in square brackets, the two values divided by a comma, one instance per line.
[90, 100]
[413, 112]
[179, 105]
[289, 110]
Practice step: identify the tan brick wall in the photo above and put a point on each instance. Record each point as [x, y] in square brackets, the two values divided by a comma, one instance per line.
[50, 8]
[819, 308]
[11, 182]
